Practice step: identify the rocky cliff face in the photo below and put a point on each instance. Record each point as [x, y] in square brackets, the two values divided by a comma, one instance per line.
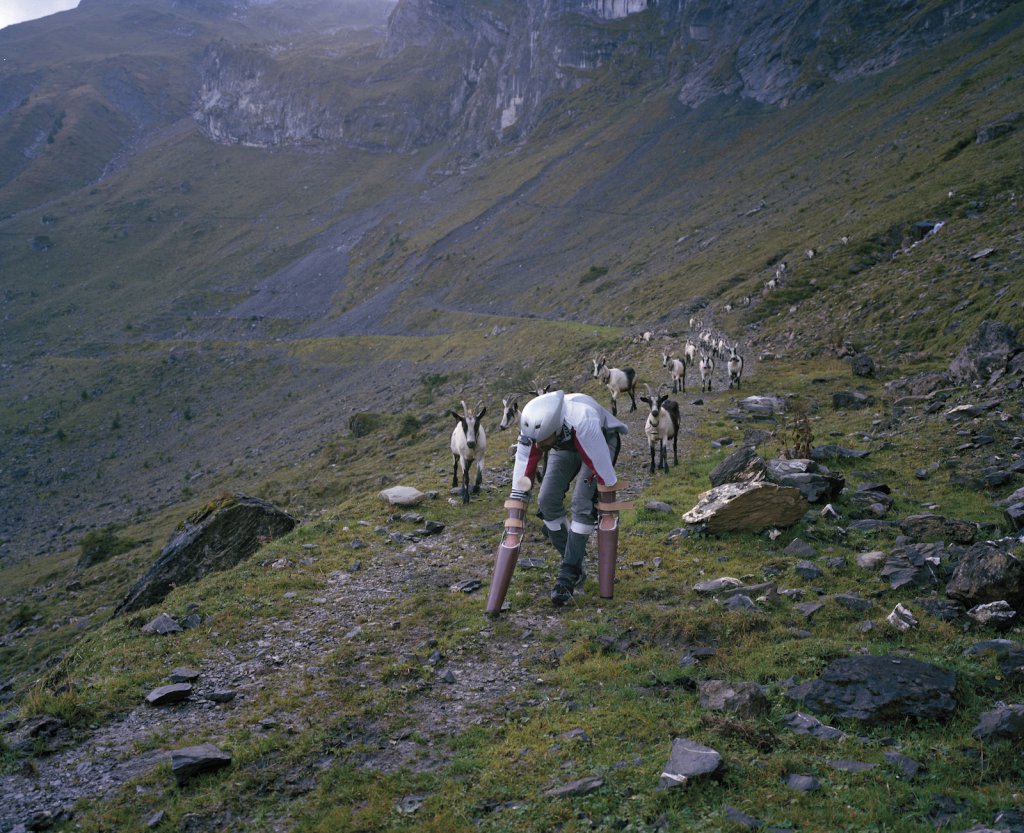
[488, 71]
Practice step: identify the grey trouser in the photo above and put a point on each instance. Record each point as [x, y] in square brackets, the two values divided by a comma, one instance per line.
[563, 465]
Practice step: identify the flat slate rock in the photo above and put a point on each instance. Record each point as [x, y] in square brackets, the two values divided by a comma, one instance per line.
[741, 819]
[581, 786]
[717, 585]
[217, 538]
[746, 699]
[880, 689]
[999, 647]
[908, 766]
[1006, 722]
[825, 452]
[804, 724]
[689, 760]
[190, 761]
[162, 625]
[802, 783]
[800, 548]
[747, 506]
[402, 496]
[165, 695]
[846, 765]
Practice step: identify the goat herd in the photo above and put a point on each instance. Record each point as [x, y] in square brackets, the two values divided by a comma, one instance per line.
[469, 439]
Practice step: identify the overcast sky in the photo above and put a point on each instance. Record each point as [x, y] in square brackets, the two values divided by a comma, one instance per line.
[15, 11]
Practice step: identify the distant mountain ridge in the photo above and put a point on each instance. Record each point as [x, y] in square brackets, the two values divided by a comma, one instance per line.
[485, 74]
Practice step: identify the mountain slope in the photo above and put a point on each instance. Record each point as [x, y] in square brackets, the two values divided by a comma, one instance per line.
[180, 296]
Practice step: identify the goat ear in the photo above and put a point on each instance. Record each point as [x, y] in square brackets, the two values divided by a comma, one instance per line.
[481, 414]
[455, 415]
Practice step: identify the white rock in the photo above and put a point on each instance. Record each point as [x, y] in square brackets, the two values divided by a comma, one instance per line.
[901, 619]
[402, 496]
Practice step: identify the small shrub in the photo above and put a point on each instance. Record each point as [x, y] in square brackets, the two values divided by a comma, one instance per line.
[433, 380]
[363, 423]
[409, 425]
[593, 273]
[796, 436]
[98, 545]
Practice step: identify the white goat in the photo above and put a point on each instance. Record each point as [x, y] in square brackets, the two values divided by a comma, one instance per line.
[509, 416]
[734, 366]
[509, 410]
[662, 425]
[469, 444]
[677, 370]
[618, 379]
[510, 403]
[690, 352]
[707, 370]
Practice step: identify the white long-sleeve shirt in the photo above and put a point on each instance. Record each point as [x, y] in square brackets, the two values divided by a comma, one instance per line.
[584, 423]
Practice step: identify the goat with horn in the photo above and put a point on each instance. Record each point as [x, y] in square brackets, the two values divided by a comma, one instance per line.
[469, 445]
[662, 425]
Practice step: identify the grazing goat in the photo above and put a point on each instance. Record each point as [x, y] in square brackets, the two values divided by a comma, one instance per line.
[734, 366]
[509, 415]
[509, 410]
[469, 444]
[662, 425]
[619, 380]
[707, 370]
[677, 370]
[510, 404]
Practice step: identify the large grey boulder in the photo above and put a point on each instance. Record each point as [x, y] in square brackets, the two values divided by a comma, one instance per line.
[747, 506]
[216, 539]
[987, 351]
[986, 574]
[880, 689]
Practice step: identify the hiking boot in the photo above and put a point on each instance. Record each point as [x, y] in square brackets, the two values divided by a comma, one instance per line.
[561, 594]
[567, 583]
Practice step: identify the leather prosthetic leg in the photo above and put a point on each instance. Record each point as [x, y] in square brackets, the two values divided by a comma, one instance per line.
[508, 554]
[608, 536]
